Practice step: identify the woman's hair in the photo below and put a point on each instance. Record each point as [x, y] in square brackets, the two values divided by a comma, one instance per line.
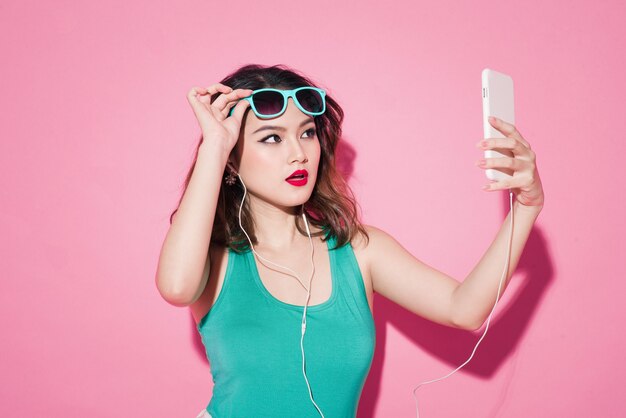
[332, 205]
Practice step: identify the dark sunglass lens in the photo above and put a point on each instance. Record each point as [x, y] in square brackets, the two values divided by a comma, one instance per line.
[311, 100]
[268, 102]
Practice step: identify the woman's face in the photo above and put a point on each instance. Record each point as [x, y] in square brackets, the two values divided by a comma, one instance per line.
[271, 150]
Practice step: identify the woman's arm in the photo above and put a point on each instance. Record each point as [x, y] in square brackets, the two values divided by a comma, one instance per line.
[425, 291]
[473, 299]
[184, 261]
[184, 254]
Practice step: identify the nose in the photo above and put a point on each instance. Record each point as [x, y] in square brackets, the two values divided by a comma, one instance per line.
[296, 152]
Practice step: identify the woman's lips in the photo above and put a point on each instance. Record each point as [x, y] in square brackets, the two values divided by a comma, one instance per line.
[298, 178]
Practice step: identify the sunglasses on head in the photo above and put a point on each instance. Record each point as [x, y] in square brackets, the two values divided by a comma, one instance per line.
[268, 103]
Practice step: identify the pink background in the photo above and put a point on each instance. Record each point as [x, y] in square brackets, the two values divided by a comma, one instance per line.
[97, 137]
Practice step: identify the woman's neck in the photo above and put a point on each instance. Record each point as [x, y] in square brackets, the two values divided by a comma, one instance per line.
[275, 227]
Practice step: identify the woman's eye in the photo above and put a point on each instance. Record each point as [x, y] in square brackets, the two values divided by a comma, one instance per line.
[271, 136]
[310, 132]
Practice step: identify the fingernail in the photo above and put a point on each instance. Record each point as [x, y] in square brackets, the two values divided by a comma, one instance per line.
[492, 119]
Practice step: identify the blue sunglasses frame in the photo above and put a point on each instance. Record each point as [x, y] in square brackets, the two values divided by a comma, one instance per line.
[286, 95]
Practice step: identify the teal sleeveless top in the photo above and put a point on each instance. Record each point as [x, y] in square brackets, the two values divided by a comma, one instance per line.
[252, 342]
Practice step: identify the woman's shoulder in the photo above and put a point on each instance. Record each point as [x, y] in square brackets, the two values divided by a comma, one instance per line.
[381, 254]
[369, 250]
[367, 247]
[364, 242]
[376, 246]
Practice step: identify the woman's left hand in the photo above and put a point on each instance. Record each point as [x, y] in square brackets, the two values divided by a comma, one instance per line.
[524, 182]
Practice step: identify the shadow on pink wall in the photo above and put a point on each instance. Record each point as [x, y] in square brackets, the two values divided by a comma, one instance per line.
[454, 346]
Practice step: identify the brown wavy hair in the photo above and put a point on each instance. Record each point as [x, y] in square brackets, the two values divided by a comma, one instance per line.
[332, 205]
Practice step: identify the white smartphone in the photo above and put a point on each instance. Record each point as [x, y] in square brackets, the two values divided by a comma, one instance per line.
[498, 102]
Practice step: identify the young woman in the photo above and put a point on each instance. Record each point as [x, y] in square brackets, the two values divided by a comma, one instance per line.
[267, 250]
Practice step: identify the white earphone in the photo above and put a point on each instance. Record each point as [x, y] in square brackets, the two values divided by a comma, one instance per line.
[307, 288]
[504, 274]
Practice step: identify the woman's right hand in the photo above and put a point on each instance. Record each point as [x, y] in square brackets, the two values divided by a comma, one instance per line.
[213, 118]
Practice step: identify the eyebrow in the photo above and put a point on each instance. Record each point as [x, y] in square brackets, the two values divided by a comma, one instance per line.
[280, 128]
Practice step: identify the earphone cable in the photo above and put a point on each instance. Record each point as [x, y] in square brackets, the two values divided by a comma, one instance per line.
[504, 274]
[308, 289]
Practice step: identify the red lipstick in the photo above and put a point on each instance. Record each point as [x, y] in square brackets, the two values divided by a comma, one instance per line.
[298, 178]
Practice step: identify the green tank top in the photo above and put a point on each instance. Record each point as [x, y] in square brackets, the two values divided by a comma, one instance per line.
[252, 342]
